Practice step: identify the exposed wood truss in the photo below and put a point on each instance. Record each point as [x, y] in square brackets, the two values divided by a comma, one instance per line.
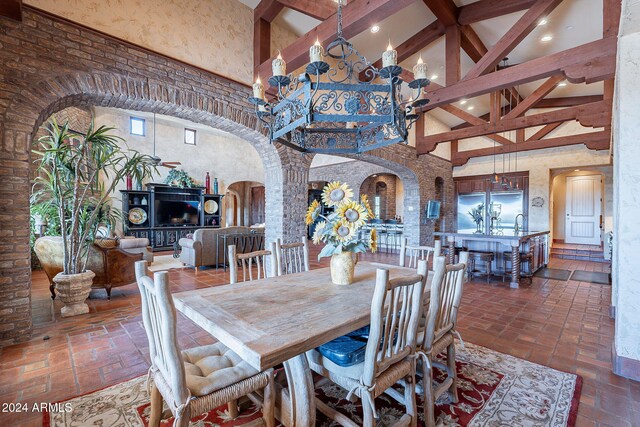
[597, 114]
[591, 62]
[570, 101]
[593, 140]
[357, 16]
[11, 9]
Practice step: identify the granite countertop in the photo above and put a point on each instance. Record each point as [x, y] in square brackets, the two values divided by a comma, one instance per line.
[508, 235]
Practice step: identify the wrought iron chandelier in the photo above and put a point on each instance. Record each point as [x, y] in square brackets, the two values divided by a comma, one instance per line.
[348, 108]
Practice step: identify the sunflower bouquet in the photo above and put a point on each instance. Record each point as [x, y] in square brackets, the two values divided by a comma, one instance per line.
[339, 230]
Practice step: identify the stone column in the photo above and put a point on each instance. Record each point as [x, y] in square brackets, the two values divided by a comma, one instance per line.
[626, 228]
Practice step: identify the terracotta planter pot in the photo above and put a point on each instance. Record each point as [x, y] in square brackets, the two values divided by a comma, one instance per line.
[342, 266]
[73, 290]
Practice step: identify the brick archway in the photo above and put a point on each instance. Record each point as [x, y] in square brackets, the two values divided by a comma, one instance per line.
[29, 109]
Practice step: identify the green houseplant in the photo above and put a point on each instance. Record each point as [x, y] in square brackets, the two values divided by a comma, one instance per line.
[76, 175]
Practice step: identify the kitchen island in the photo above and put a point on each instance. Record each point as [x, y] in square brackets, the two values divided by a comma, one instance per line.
[534, 242]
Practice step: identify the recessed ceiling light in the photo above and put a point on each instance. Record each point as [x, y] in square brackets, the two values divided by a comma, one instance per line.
[569, 27]
[546, 38]
[470, 107]
[375, 29]
[562, 84]
[543, 21]
[464, 101]
[433, 77]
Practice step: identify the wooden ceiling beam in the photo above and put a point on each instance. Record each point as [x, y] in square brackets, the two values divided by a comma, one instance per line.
[487, 9]
[452, 55]
[513, 37]
[597, 114]
[546, 130]
[318, 9]
[593, 140]
[473, 120]
[541, 91]
[11, 9]
[591, 62]
[445, 10]
[261, 42]
[267, 10]
[357, 16]
[415, 43]
[568, 101]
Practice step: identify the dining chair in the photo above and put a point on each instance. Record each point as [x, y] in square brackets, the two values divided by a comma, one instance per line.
[388, 355]
[251, 261]
[439, 331]
[415, 253]
[197, 380]
[292, 257]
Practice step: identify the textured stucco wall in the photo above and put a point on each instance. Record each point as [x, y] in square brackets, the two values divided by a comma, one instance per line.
[626, 282]
[214, 35]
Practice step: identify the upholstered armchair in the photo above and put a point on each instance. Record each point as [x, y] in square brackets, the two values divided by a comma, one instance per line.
[113, 267]
[209, 246]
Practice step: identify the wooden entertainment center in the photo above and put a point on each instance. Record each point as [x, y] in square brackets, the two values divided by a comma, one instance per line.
[164, 214]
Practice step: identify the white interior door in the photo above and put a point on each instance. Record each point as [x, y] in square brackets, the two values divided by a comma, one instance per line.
[583, 209]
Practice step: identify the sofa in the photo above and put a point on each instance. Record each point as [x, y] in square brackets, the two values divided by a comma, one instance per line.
[113, 267]
[208, 246]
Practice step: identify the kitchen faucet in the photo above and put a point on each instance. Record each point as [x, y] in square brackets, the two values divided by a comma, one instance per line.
[516, 227]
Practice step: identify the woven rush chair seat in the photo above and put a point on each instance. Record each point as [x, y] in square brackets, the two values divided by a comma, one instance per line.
[194, 381]
[212, 367]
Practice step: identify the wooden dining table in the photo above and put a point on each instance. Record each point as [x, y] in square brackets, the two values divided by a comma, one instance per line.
[276, 320]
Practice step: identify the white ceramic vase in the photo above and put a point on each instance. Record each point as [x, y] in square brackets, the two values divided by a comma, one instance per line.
[342, 266]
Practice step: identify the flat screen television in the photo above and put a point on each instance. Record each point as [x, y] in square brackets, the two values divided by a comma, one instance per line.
[176, 212]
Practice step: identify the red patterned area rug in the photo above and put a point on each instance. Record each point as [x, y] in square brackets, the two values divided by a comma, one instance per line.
[494, 390]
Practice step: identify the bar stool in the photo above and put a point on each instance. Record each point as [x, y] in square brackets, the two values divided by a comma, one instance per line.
[393, 237]
[526, 259]
[476, 257]
[458, 249]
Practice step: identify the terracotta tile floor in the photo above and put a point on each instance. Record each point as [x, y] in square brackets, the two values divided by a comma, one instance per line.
[560, 324]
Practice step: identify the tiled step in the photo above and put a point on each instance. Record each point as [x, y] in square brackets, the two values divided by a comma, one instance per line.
[587, 253]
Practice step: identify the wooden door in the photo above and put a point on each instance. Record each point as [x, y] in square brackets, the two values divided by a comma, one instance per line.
[583, 209]
[257, 205]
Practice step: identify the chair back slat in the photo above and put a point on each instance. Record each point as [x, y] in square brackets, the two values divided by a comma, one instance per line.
[396, 309]
[411, 254]
[255, 265]
[159, 318]
[292, 257]
[446, 293]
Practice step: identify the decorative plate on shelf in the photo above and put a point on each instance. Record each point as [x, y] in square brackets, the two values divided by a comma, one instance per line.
[210, 207]
[137, 216]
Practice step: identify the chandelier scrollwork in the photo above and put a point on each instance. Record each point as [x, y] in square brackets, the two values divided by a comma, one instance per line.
[341, 104]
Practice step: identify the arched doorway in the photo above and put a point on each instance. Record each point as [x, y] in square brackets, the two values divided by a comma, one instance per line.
[386, 194]
[245, 203]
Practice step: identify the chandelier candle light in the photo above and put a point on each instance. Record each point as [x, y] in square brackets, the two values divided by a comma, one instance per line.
[315, 52]
[278, 66]
[389, 57]
[348, 108]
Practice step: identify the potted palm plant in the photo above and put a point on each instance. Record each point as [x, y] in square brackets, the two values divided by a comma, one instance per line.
[76, 175]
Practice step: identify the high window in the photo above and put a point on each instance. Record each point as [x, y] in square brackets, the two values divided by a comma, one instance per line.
[136, 126]
[190, 136]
